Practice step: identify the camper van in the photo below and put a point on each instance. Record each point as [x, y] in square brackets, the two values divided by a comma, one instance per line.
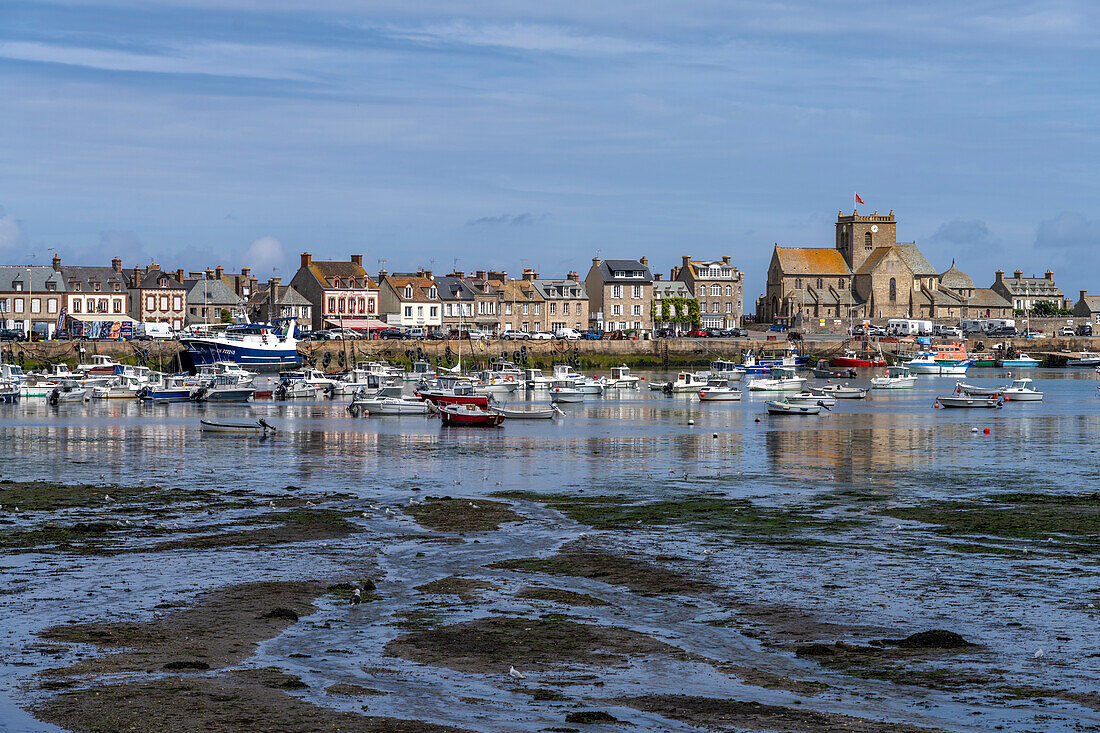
[908, 327]
[973, 325]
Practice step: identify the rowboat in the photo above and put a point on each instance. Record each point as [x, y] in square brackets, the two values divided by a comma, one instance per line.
[470, 415]
[965, 401]
[719, 394]
[537, 413]
[776, 407]
[257, 427]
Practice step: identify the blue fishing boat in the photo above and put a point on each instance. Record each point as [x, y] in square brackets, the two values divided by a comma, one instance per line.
[251, 344]
[174, 389]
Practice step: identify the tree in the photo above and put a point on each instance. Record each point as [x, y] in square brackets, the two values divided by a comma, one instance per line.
[1044, 309]
[227, 317]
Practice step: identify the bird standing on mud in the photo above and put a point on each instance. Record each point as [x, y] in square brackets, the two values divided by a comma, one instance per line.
[357, 598]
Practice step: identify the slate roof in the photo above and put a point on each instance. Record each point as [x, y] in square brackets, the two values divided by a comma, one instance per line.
[874, 259]
[811, 261]
[210, 293]
[420, 286]
[285, 295]
[88, 276]
[40, 275]
[987, 298]
[916, 260]
[1032, 287]
[1090, 302]
[447, 286]
[671, 289]
[956, 279]
[326, 273]
[548, 288]
[607, 267]
[150, 279]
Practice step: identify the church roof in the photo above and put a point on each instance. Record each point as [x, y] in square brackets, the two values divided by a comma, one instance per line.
[873, 260]
[916, 260]
[811, 261]
[956, 279]
[987, 298]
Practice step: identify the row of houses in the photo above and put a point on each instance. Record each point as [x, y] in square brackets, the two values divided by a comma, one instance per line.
[616, 295]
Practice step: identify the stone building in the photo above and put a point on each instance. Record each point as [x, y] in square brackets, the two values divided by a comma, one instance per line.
[564, 298]
[410, 299]
[157, 296]
[95, 290]
[339, 293]
[208, 300]
[682, 296]
[717, 285]
[620, 295]
[275, 300]
[1024, 292]
[521, 304]
[1087, 306]
[30, 298]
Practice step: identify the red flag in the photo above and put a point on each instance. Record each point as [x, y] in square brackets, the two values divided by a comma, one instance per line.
[858, 199]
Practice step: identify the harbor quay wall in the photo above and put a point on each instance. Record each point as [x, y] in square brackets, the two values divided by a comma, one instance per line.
[642, 354]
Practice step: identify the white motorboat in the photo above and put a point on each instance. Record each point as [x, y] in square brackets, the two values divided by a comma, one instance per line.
[299, 390]
[781, 379]
[925, 363]
[685, 382]
[589, 385]
[224, 389]
[811, 397]
[99, 364]
[528, 413]
[565, 393]
[719, 394]
[68, 393]
[621, 378]
[973, 390]
[897, 377]
[776, 407]
[535, 379]
[255, 427]
[1020, 390]
[389, 406]
[844, 392]
[9, 391]
[420, 370]
[961, 400]
[357, 379]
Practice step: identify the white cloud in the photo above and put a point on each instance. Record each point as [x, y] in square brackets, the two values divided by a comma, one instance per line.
[264, 254]
[523, 37]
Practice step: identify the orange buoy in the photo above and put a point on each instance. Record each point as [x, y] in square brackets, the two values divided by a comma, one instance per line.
[986, 431]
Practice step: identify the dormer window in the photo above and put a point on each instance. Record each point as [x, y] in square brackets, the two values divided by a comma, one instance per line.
[96, 287]
[76, 287]
[51, 286]
[117, 287]
[164, 282]
[408, 292]
[17, 286]
[432, 292]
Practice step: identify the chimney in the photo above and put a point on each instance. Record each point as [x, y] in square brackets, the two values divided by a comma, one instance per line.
[644, 261]
[246, 272]
[307, 259]
[686, 264]
[1049, 275]
[529, 274]
[1018, 274]
[426, 274]
[382, 275]
[480, 274]
[998, 276]
[218, 272]
[179, 274]
[595, 261]
[1083, 294]
[501, 276]
[357, 260]
[573, 276]
[657, 276]
[57, 263]
[116, 265]
[137, 276]
[725, 259]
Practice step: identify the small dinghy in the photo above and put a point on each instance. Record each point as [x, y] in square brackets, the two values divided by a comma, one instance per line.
[776, 407]
[811, 398]
[469, 415]
[537, 413]
[844, 392]
[973, 390]
[719, 394]
[961, 400]
[566, 394]
[255, 427]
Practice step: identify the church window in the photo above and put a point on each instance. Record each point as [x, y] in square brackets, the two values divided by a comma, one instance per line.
[893, 288]
[840, 283]
[820, 284]
[798, 282]
[867, 240]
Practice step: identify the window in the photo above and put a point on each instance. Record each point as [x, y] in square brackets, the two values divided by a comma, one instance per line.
[715, 290]
[714, 307]
[467, 309]
[18, 305]
[893, 287]
[636, 291]
[702, 291]
[553, 308]
[408, 292]
[867, 240]
[408, 311]
[507, 309]
[616, 310]
[565, 309]
[18, 287]
[177, 303]
[729, 290]
[164, 283]
[798, 282]
[432, 292]
[76, 305]
[116, 287]
[420, 311]
[435, 311]
[636, 310]
[76, 287]
[729, 307]
[702, 306]
[36, 305]
[820, 284]
[150, 302]
[336, 282]
[538, 308]
[524, 309]
[616, 291]
[96, 287]
[332, 305]
[103, 306]
[340, 304]
[447, 309]
[840, 283]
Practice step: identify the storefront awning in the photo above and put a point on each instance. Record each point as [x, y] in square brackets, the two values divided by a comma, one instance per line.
[94, 317]
[357, 323]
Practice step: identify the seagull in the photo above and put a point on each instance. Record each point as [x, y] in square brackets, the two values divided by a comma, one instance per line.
[310, 503]
[373, 507]
[416, 475]
[456, 482]
[107, 497]
[271, 504]
[365, 514]
[1037, 655]
[516, 674]
[357, 598]
[473, 505]
[390, 512]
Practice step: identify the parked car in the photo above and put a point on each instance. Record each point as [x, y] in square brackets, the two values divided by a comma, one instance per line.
[948, 332]
[1004, 331]
[1067, 331]
[12, 334]
[698, 333]
[567, 334]
[514, 334]
[739, 332]
[590, 335]
[542, 336]
[343, 334]
[391, 333]
[416, 333]
[1085, 329]
[477, 334]
[719, 333]
[436, 335]
[665, 333]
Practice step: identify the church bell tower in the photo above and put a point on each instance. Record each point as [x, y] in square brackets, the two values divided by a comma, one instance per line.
[858, 235]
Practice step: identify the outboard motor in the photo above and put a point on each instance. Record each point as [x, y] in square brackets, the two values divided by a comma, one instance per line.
[55, 396]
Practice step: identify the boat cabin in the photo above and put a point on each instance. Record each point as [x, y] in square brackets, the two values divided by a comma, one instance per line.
[619, 372]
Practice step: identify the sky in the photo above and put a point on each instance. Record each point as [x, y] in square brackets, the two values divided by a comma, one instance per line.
[504, 135]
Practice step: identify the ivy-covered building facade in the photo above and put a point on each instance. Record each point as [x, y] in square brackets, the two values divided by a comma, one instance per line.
[717, 287]
[674, 306]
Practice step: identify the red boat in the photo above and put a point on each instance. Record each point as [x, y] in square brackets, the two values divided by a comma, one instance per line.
[852, 359]
[469, 415]
[454, 392]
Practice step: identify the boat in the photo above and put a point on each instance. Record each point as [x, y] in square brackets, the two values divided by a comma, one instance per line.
[100, 364]
[566, 393]
[925, 363]
[297, 390]
[1020, 390]
[174, 389]
[490, 382]
[223, 389]
[973, 390]
[255, 427]
[961, 400]
[389, 406]
[454, 391]
[811, 397]
[420, 370]
[775, 407]
[789, 359]
[254, 344]
[535, 379]
[532, 413]
[719, 394]
[354, 380]
[69, 392]
[471, 415]
[782, 379]
[897, 377]
[949, 353]
[1084, 359]
[844, 392]
[749, 365]
[504, 369]
[859, 360]
[621, 378]
[684, 382]
[1019, 361]
[985, 359]
[9, 392]
[824, 370]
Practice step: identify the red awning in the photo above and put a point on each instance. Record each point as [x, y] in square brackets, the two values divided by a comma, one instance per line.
[358, 324]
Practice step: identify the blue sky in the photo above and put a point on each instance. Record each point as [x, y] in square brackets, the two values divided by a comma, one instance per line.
[514, 134]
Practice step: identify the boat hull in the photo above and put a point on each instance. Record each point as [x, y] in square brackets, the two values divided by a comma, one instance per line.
[1018, 363]
[856, 363]
[439, 398]
[253, 428]
[961, 401]
[470, 418]
[785, 408]
[719, 395]
[208, 351]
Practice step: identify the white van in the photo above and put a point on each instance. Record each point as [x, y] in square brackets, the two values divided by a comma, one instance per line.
[908, 327]
[568, 334]
[150, 330]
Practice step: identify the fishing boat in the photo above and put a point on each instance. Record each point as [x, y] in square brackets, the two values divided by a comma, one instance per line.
[621, 378]
[354, 380]
[470, 415]
[775, 407]
[962, 400]
[174, 389]
[749, 365]
[859, 360]
[844, 392]
[1019, 361]
[223, 389]
[1020, 390]
[1084, 359]
[534, 379]
[985, 359]
[824, 370]
[719, 394]
[99, 364]
[254, 344]
[974, 390]
[782, 379]
[564, 392]
[684, 382]
[725, 369]
[925, 363]
[897, 377]
[527, 413]
[454, 391]
[790, 359]
[254, 427]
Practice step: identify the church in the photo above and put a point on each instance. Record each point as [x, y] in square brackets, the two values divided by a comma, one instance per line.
[868, 274]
